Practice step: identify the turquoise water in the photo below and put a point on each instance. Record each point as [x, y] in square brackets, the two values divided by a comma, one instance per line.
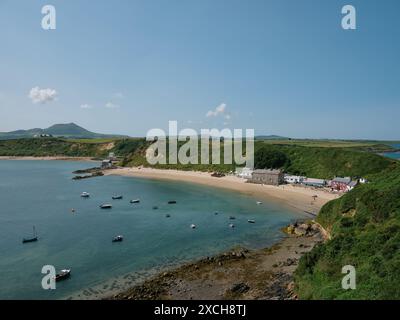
[42, 193]
[393, 155]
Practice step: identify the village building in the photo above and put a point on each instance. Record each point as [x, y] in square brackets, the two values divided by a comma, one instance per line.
[293, 179]
[312, 182]
[351, 185]
[244, 173]
[106, 164]
[340, 184]
[267, 176]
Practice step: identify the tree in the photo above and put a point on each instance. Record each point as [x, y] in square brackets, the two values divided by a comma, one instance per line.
[266, 158]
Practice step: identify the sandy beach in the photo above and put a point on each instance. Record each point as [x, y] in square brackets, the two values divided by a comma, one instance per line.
[297, 197]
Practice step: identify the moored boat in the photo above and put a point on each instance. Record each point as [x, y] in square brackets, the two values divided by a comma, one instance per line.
[251, 221]
[119, 197]
[118, 239]
[31, 239]
[64, 274]
[106, 206]
[85, 195]
[193, 226]
[135, 201]
[172, 202]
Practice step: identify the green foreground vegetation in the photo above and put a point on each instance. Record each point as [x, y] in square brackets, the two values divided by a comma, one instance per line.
[365, 232]
[364, 224]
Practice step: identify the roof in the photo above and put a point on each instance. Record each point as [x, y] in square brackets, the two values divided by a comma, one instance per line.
[345, 180]
[268, 171]
[352, 183]
[313, 180]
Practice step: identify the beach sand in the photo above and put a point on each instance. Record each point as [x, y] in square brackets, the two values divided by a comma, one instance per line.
[297, 197]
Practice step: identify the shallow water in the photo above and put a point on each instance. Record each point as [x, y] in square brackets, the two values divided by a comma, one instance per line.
[42, 193]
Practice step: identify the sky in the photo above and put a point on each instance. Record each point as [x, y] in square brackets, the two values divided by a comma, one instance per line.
[283, 67]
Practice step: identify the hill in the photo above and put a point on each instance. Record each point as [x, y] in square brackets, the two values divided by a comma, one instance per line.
[365, 232]
[67, 130]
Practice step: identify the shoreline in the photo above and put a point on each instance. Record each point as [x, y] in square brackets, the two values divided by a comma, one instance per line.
[236, 274]
[297, 197]
[48, 158]
[239, 273]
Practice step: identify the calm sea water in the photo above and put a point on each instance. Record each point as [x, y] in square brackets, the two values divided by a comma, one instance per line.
[42, 193]
[393, 155]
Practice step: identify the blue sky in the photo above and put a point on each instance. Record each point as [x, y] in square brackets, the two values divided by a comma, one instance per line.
[281, 67]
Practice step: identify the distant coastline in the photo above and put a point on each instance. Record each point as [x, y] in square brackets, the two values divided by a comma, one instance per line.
[61, 158]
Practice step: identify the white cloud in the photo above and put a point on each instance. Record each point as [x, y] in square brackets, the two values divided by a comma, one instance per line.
[119, 95]
[111, 105]
[86, 106]
[218, 110]
[38, 95]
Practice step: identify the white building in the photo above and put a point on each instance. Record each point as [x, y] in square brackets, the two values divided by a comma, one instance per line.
[245, 173]
[293, 179]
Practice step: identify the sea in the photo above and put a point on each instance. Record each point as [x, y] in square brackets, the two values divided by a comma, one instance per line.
[74, 233]
[393, 155]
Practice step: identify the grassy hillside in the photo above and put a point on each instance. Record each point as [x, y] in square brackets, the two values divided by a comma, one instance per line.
[326, 163]
[40, 147]
[365, 230]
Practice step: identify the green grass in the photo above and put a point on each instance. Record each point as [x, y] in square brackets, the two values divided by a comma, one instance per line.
[365, 230]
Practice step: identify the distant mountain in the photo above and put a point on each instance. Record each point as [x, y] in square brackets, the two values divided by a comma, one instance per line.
[66, 130]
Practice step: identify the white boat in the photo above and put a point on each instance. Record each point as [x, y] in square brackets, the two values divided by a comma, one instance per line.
[118, 239]
[193, 226]
[106, 206]
[64, 274]
[251, 221]
[85, 195]
[259, 202]
[231, 225]
[135, 201]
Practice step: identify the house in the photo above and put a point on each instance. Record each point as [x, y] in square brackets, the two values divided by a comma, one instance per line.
[267, 176]
[312, 182]
[293, 179]
[340, 183]
[244, 173]
[106, 164]
[351, 185]
[112, 157]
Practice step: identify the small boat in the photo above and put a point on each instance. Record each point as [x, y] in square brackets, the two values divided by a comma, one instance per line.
[117, 197]
[135, 201]
[106, 206]
[118, 239]
[85, 195]
[32, 239]
[168, 215]
[64, 274]
[259, 202]
[155, 208]
[232, 218]
[251, 221]
[193, 226]
[216, 213]
[231, 225]
[172, 202]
